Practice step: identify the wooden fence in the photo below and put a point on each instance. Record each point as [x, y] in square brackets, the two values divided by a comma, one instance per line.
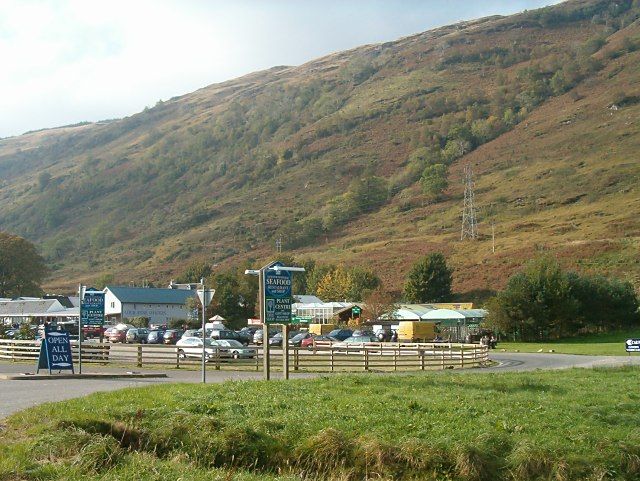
[330, 357]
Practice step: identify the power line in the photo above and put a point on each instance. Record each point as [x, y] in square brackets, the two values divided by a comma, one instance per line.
[469, 222]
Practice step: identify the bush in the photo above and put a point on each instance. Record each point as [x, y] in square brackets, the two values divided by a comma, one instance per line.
[543, 302]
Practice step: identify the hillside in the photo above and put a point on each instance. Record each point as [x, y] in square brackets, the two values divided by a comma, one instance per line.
[329, 156]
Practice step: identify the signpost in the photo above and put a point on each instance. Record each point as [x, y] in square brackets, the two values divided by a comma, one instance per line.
[632, 345]
[277, 295]
[91, 314]
[356, 311]
[55, 352]
[205, 296]
[275, 307]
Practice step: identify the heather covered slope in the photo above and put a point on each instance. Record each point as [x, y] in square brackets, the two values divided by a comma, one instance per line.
[330, 154]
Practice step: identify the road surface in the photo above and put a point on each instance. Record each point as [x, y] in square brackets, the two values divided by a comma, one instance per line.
[20, 394]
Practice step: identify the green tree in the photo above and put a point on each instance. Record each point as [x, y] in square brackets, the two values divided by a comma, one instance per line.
[43, 180]
[363, 282]
[336, 285]
[429, 280]
[195, 271]
[22, 269]
[536, 304]
[434, 180]
[368, 193]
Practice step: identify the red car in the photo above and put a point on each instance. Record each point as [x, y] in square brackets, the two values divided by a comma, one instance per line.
[118, 335]
[308, 342]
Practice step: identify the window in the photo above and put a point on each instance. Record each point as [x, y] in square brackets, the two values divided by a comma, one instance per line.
[113, 305]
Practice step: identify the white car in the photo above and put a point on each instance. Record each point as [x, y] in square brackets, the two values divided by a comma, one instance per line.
[235, 349]
[192, 347]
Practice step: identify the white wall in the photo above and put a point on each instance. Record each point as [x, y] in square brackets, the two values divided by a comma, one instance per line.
[157, 313]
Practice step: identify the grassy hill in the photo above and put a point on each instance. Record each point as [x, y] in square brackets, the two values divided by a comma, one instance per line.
[543, 105]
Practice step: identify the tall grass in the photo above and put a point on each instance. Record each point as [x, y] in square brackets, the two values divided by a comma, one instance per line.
[569, 425]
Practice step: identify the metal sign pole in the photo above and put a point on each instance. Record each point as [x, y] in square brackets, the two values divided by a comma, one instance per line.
[265, 327]
[80, 329]
[204, 333]
[285, 350]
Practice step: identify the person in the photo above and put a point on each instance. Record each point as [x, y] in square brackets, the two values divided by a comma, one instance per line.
[493, 342]
[394, 336]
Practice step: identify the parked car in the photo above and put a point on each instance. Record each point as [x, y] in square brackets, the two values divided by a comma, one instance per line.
[356, 340]
[192, 333]
[296, 341]
[228, 334]
[248, 331]
[192, 347]
[108, 331]
[155, 336]
[172, 336]
[340, 334]
[118, 334]
[137, 335]
[276, 340]
[257, 336]
[308, 342]
[234, 349]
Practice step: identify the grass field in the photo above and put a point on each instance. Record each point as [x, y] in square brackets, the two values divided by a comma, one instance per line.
[610, 344]
[574, 424]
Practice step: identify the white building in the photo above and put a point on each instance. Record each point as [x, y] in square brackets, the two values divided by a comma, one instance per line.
[38, 310]
[158, 305]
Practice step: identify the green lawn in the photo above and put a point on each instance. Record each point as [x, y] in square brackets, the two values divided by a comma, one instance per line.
[610, 344]
[563, 425]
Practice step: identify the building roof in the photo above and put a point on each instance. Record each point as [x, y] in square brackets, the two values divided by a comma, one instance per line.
[150, 295]
[35, 307]
[442, 314]
[306, 299]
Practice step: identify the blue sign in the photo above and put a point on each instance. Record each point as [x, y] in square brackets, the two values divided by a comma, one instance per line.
[55, 352]
[277, 295]
[632, 345]
[92, 308]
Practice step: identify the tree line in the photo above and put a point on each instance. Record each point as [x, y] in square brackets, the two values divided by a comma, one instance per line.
[545, 302]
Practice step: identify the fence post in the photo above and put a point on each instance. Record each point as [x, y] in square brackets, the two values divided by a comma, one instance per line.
[395, 358]
[462, 355]
[331, 351]
[257, 360]
[177, 359]
[296, 354]
[139, 355]
[217, 358]
[366, 359]
[421, 353]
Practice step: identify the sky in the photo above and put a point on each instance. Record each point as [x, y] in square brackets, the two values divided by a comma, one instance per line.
[68, 61]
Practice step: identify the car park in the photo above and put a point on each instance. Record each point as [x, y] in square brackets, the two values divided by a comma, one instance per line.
[172, 336]
[276, 340]
[355, 340]
[192, 333]
[137, 335]
[234, 349]
[296, 341]
[192, 347]
[309, 341]
[340, 334]
[257, 336]
[227, 334]
[155, 336]
[118, 334]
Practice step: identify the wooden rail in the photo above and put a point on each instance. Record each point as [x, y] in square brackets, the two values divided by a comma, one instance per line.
[332, 357]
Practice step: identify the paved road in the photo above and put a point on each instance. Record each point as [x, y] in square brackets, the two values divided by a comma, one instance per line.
[16, 395]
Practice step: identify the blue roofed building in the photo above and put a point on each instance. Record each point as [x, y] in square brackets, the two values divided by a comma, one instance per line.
[158, 305]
